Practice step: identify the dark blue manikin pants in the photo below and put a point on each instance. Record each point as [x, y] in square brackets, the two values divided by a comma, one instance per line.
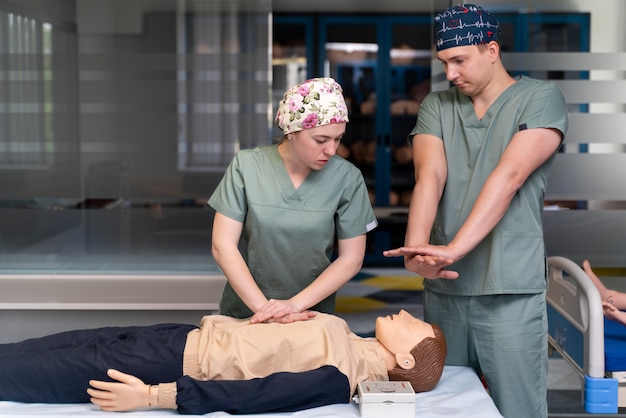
[57, 368]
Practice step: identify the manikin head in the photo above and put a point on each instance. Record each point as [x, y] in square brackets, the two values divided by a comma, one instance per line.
[417, 347]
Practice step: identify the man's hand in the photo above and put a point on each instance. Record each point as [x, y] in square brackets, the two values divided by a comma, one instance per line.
[127, 394]
[426, 260]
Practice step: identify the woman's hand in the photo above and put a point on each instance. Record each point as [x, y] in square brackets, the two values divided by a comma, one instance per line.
[294, 317]
[283, 311]
[127, 394]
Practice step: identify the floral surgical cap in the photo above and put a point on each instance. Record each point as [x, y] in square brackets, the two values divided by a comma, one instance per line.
[465, 24]
[315, 102]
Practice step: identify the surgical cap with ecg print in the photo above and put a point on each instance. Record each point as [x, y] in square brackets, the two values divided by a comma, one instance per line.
[465, 24]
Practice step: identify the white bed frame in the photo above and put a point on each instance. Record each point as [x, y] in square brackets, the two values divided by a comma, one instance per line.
[574, 313]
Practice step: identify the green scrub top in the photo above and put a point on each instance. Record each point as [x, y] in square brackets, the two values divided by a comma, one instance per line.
[289, 234]
[512, 258]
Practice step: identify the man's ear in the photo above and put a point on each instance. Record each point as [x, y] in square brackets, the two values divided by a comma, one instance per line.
[405, 361]
[494, 50]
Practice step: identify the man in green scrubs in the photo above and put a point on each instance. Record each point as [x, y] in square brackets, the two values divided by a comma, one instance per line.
[482, 151]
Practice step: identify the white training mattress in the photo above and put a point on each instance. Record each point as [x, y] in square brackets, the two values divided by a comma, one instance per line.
[459, 394]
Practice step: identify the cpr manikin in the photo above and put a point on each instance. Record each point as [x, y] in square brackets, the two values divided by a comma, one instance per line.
[313, 363]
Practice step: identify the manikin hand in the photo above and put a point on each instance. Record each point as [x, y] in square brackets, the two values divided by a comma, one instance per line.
[607, 295]
[282, 311]
[127, 394]
[426, 260]
[614, 314]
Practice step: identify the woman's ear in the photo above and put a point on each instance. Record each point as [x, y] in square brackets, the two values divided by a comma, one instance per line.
[405, 360]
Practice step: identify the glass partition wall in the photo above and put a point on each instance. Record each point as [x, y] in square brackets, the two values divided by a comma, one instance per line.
[118, 119]
[117, 123]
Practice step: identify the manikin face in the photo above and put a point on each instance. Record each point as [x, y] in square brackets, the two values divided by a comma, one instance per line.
[314, 147]
[400, 332]
[468, 67]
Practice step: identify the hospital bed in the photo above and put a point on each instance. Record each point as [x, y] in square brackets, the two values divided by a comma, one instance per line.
[592, 345]
[458, 394]
[32, 305]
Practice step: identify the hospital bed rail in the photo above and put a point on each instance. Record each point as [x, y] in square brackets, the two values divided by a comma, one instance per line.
[573, 299]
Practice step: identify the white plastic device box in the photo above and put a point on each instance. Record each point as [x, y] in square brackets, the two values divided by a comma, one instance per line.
[382, 399]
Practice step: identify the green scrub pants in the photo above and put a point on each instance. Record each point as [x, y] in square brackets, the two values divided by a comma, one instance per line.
[504, 338]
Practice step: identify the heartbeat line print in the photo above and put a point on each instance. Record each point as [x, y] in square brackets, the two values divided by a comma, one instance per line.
[457, 24]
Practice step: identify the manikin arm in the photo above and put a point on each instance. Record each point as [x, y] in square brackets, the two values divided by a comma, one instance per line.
[613, 302]
[278, 392]
[617, 299]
